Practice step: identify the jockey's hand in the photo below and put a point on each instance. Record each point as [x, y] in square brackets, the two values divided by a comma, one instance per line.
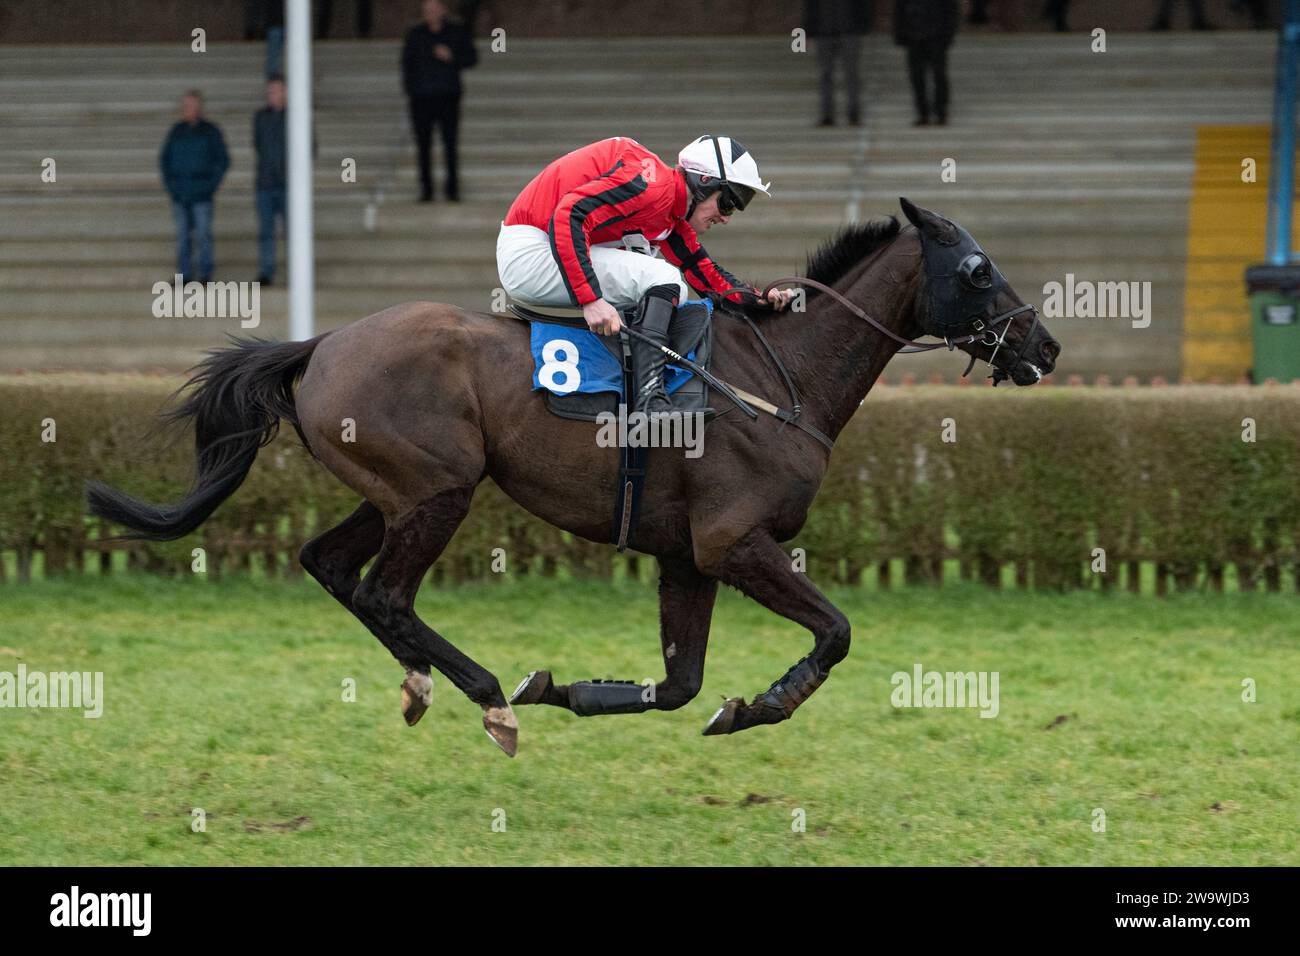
[602, 318]
[779, 299]
[443, 52]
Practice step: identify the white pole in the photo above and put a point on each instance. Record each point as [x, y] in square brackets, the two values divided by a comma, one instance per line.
[302, 278]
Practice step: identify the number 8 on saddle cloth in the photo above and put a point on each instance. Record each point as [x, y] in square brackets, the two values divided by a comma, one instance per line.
[582, 373]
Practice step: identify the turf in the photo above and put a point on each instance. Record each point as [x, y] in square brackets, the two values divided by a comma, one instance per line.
[229, 697]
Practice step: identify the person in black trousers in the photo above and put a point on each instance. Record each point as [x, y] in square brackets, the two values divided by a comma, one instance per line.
[927, 29]
[837, 27]
[325, 13]
[1166, 12]
[1058, 12]
[435, 53]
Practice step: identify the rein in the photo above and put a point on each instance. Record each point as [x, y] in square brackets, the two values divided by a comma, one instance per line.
[982, 333]
[985, 333]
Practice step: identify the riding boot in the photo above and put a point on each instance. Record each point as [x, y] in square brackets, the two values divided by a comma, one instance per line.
[652, 321]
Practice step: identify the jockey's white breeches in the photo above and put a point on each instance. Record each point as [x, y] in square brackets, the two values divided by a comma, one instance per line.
[531, 275]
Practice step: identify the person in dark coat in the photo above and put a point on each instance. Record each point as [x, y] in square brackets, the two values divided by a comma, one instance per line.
[1058, 12]
[325, 13]
[269, 143]
[432, 58]
[837, 26]
[273, 19]
[1165, 14]
[193, 162]
[927, 28]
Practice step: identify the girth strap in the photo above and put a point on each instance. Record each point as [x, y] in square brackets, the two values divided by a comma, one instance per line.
[631, 465]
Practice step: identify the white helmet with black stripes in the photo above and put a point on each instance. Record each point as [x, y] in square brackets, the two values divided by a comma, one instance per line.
[721, 164]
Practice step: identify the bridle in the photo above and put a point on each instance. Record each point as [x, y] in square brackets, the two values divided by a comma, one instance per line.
[983, 331]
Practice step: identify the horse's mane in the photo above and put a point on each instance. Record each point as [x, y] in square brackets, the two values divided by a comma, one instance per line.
[841, 252]
[833, 259]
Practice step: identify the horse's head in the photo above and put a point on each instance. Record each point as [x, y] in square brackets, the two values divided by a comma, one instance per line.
[967, 298]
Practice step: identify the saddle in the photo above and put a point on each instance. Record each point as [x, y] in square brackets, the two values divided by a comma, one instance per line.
[689, 335]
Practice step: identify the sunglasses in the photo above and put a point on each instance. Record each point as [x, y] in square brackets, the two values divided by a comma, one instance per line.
[733, 198]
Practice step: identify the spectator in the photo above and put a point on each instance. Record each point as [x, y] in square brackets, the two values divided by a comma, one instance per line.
[273, 18]
[1058, 12]
[435, 53]
[325, 13]
[1006, 14]
[1166, 12]
[1257, 10]
[927, 29]
[479, 16]
[269, 142]
[193, 162]
[838, 26]
[252, 19]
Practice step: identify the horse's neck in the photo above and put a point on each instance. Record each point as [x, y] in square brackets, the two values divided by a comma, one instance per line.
[833, 356]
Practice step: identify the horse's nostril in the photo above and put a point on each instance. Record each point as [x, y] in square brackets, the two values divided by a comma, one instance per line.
[1049, 351]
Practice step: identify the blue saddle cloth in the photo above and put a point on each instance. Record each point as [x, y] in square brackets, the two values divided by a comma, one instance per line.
[567, 360]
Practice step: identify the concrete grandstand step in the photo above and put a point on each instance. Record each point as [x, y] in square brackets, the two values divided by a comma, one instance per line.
[1067, 161]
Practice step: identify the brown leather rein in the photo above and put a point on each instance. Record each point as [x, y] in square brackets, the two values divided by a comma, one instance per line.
[984, 333]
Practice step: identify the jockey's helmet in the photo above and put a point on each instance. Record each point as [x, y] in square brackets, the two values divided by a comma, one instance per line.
[720, 164]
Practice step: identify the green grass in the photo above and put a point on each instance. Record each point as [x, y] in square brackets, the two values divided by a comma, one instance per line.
[228, 697]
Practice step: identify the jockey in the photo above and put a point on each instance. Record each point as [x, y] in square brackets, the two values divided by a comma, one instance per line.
[588, 229]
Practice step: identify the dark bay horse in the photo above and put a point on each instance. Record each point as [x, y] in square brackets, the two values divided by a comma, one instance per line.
[440, 399]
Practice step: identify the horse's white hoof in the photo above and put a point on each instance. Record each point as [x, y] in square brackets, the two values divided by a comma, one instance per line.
[502, 727]
[417, 695]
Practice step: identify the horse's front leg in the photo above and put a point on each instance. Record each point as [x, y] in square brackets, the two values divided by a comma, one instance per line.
[758, 566]
[685, 610]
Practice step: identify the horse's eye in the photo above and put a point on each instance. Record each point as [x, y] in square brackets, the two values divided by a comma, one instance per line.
[976, 272]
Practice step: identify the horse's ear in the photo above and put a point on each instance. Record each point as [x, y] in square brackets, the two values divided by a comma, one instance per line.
[935, 227]
[911, 211]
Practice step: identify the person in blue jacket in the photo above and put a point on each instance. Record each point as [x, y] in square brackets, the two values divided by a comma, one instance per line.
[193, 162]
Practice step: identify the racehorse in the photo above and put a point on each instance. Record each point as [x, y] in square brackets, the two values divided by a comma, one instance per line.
[438, 395]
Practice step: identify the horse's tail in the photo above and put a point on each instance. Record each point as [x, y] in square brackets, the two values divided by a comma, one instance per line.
[236, 399]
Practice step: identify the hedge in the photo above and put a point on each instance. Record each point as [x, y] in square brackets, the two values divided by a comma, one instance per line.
[1035, 480]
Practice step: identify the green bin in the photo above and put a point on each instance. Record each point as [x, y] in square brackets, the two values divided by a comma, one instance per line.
[1274, 322]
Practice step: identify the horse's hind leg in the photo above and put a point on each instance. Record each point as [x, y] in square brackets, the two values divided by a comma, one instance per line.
[685, 610]
[335, 559]
[385, 601]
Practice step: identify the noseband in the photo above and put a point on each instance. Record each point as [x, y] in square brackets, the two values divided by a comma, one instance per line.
[1000, 374]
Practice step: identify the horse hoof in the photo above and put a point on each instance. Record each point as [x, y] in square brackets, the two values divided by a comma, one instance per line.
[417, 695]
[502, 727]
[532, 688]
[725, 719]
